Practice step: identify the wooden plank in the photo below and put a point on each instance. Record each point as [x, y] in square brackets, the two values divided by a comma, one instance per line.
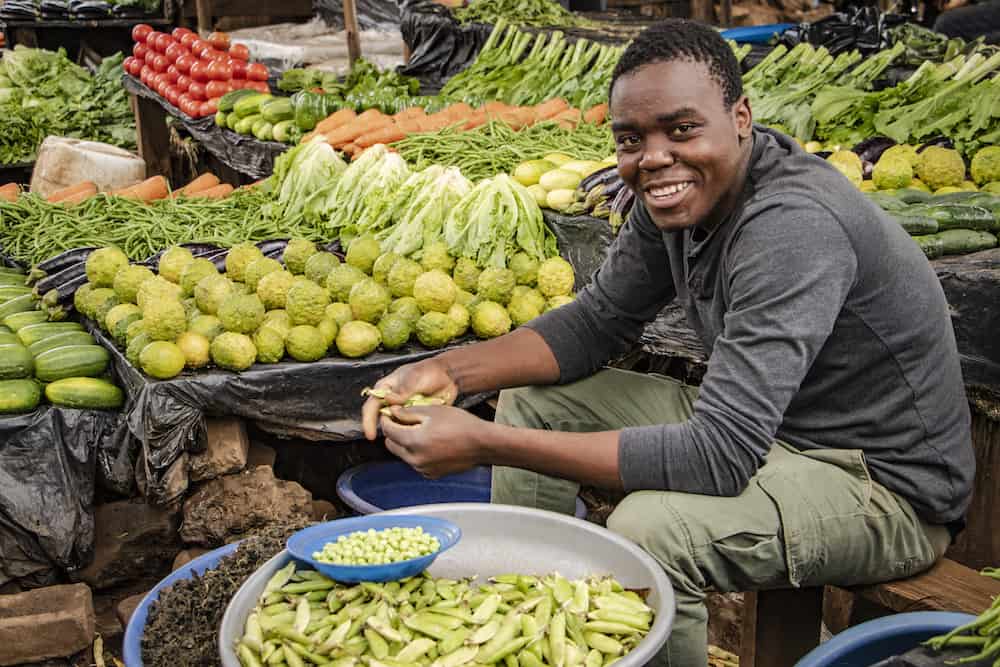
[703, 10]
[152, 135]
[780, 626]
[275, 8]
[203, 9]
[948, 586]
[351, 28]
[978, 546]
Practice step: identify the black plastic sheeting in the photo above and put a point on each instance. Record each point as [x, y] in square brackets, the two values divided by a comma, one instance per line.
[246, 154]
[439, 46]
[583, 242]
[372, 14]
[863, 28]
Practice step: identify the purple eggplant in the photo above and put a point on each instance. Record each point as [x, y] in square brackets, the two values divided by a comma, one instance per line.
[943, 142]
[63, 294]
[871, 150]
[598, 177]
[63, 260]
[56, 280]
[272, 246]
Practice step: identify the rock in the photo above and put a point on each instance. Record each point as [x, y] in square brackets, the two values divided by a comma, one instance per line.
[226, 450]
[725, 620]
[126, 608]
[188, 555]
[51, 622]
[227, 507]
[261, 455]
[324, 510]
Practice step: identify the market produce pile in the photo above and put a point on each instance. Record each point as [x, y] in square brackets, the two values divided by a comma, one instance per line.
[981, 634]
[43, 93]
[320, 93]
[537, 13]
[305, 618]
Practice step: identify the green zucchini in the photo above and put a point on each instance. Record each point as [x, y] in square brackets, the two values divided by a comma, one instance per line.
[283, 131]
[87, 393]
[71, 361]
[957, 216]
[8, 338]
[886, 202]
[245, 125]
[962, 241]
[972, 198]
[250, 105]
[61, 340]
[263, 130]
[220, 118]
[19, 304]
[33, 333]
[932, 246]
[277, 110]
[11, 280]
[227, 101]
[19, 396]
[912, 196]
[18, 320]
[12, 271]
[232, 121]
[15, 362]
[11, 291]
[916, 225]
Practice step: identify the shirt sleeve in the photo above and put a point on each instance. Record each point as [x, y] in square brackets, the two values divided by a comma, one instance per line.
[628, 290]
[789, 273]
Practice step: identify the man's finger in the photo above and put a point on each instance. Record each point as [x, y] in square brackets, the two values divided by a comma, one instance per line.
[369, 417]
[403, 433]
[398, 450]
[410, 416]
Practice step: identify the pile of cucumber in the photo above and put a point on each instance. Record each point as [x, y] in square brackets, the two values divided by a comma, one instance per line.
[262, 115]
[37, 356]
[953, 224]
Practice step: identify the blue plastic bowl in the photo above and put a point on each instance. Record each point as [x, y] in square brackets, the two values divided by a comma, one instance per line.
[132, 644]
[873, 641]
[389, 485]
[303, 544]
[757, 34]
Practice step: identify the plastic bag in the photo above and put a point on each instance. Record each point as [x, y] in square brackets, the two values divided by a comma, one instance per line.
[439, 46]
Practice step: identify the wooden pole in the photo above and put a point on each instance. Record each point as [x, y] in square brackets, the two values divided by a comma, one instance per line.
[204, 11]
[351, 28]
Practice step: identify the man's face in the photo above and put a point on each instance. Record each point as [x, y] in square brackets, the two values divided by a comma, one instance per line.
[679, 148]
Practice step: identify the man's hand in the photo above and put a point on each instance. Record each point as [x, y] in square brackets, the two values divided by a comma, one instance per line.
[435, 441]
[429, 377]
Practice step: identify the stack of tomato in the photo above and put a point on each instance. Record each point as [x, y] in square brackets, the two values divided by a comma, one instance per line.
[189, 72]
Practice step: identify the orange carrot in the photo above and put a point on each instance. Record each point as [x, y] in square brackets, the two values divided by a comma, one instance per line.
[495, 106]
[59, 195]
[411, 112]
[570, 115]
[217, 192]
[335, 120]
[10, 191]
[458, 110]
[150, 189]
[203, 182]
[476, 119]
[596, 114]
[368, 116]
[384, 135]
[79, 196]
[351, 149]
[348, 133]
[550, 108]
[409, 125]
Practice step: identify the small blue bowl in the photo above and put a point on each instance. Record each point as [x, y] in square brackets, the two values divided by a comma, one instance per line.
[303, 544]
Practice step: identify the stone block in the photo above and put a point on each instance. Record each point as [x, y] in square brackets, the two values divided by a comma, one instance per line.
[51, 622]
[125, 608]
[324, 510]
[186, 556]
[226, 450]
[261, 455]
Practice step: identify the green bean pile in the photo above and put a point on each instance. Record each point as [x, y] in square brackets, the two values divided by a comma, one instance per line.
[32, 230]
[983, 633]
[496, 148]
[305, 618]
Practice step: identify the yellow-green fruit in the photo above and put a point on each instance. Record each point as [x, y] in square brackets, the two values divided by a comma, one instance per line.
[279, 320]
[459, 314]
[194, 272]
[165, 320]
[341, 279]
[525, 308]
[239, 257]
[233, 351]
[555, 277]
[531, 294]
[382, 266]
[127, 281]
[306, 303]
[191, 309]
[490, 319]
[80, 298]
[395, 331]
[917, 184]
[297, 253]
[434, 291]
[273, 289]
[496, 284]
[259, 268]
[434, 329]
[849, 158]
[940, 167]
[103, 265]
[464, 298]
[466, 274]
[435, 257]
[135, 347]
[338, 312]
[172, 263]
[892, 172]
[969, 186]
[407, 308]
[329, 329]
[402, 275]
[557, 301]
[157, 289]
[947, 190]
[867, 186]
[211, 291]
[120, 312]
[992, 187]
[195, 348]
[985, 166]
[120, 330]
[241, 313]
[319, 265]
[270, 344]
[208, 326]
[358, 339]
[369, 300]
[134, 329]
[96, 298]
[905, 151]
[162, 360]
[305, 343]
[362, 253]
[525, 268]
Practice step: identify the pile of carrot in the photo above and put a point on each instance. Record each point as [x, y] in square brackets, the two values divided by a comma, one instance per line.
[351, 132]
[206, 186]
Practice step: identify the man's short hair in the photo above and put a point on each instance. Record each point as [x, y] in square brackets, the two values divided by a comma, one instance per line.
[682, 39]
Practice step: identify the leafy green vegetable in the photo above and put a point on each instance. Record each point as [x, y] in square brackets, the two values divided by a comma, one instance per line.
[302, 179]
[538, 13]
[420, 222]
[365, 87]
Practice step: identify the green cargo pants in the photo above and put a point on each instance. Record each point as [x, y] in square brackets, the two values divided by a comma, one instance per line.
[805, 519]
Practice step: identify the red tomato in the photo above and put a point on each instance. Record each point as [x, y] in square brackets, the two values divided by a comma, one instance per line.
[144, 73]
[136, 67]
[183, 99]
[163, 40]
[199, 71]
[127, 63]
[161, 88]
[178, 33]
[160, 63]
[257, 72]
[240, 52]
[216, 89]
[239, 69]
[140, 31]
[173, 74]
[259, 86]
[185, 62]
[210, 107]
[183, 82]
[220, 71]
[173, 95]
[140, 51]
[173, 52]
[197, 91]
[198, 46]
[189, 38]
[219, 40]
[151, 40]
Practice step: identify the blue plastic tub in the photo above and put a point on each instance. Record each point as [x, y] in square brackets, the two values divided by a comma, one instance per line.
[758, 34]
[390, 485]
[874, 641]
[132, 645]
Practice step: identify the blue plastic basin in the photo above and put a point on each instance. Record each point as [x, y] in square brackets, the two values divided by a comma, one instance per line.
[758, 34]
[874, 641]
[390, 485]
[132, 644]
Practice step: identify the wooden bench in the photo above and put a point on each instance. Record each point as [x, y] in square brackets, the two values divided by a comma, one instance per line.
[781, 626]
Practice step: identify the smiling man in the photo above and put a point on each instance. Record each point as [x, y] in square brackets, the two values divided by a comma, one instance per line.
[829, 441]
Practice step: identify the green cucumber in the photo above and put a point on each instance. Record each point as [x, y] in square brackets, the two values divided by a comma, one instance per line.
[232, 121]
[227, 101]
[19, 304]
[8, 338]
[912, 196]
[932, 246]
[245, 125]
[283, 131]
[19, 396]
[250, 105]
[34, 333]
[916, 225]
[263, 130]
[71, 361]
[61, 340]
[277, 110]
[11, 280]
[15, 362]
[220, 118]
[957, 216]
[11, 291]
[88, 393]
[5, 329]
[963, 241]
[17, 321]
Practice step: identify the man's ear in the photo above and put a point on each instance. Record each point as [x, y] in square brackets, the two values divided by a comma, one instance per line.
[743, 117]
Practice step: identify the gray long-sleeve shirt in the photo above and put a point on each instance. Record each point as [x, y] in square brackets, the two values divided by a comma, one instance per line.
[825, 326]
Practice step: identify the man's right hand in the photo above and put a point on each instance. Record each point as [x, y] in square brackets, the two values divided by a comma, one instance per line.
[429, 377]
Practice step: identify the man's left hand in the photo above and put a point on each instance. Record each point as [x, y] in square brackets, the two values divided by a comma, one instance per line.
[435, 441]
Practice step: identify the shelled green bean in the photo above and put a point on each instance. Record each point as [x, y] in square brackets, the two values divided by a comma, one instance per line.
[982, 633]
[304, 618]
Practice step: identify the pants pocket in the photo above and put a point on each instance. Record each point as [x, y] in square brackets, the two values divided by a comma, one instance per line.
[750, 562]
